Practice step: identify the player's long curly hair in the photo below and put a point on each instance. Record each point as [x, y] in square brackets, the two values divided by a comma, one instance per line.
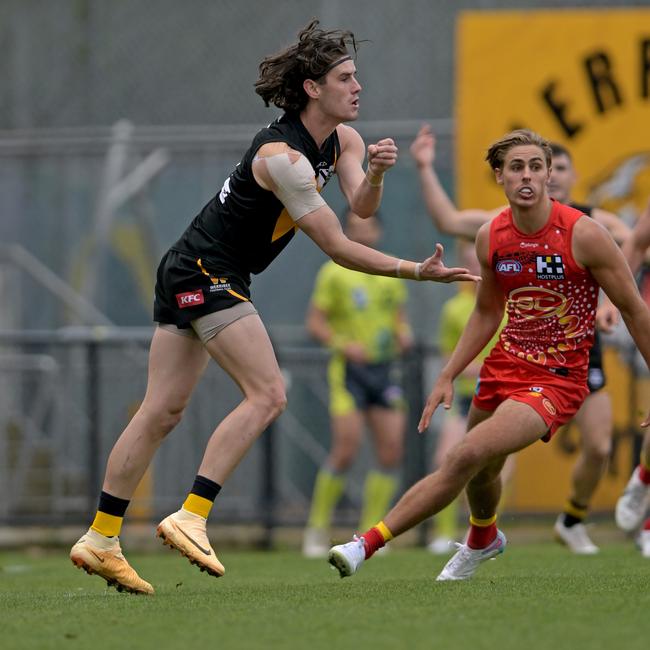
[282, 75]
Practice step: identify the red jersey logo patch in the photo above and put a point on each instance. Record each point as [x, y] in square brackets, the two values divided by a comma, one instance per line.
[549, 406]
[190, 298]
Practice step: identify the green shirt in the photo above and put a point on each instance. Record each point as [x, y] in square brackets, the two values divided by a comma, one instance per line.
[361, 308]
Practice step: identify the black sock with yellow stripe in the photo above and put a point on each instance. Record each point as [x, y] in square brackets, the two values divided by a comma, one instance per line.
[110, 514]
[574, 513]
[201, 498]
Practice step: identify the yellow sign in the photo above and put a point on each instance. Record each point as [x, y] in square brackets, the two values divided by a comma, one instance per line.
[578, 77]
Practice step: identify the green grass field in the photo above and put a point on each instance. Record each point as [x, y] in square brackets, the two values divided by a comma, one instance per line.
[535, 596]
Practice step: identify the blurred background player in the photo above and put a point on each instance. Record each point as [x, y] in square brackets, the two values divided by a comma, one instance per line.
[453, 318]
[632, 506]
[362, 319]
[594, 420]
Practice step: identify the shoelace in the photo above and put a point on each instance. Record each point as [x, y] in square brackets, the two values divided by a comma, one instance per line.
[463, 555]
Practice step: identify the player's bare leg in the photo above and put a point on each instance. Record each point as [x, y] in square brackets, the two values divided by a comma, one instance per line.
[243, 349]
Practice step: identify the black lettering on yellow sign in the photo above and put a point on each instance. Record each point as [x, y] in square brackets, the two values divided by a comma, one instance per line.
[645, 67]
[606, 91]
[559, 109]
[601, 78]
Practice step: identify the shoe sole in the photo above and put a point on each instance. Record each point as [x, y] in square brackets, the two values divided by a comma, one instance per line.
[339, 562]
[166, 540]
[80, 563]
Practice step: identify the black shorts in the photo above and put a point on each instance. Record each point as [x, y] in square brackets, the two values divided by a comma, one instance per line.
[187, 288]
[373, 384]
[596, 375]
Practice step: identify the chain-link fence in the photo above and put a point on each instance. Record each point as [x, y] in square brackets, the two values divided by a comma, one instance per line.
[66, 396]
[105, 203]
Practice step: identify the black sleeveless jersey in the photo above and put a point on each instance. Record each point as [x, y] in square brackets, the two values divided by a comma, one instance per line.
[586, 209]
[245, 227]
[595, 377]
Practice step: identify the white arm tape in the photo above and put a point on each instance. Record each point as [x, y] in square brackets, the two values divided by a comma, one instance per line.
[295, 184]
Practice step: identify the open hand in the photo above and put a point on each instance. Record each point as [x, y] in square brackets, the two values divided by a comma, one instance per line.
[423, 148]
[433, 269]
[442, 393]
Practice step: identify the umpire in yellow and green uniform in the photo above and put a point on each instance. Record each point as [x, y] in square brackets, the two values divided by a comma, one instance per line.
[362, 319]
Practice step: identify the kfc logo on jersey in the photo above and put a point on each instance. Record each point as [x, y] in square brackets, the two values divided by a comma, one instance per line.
[549, 267]
[508, 267]
[190, 298]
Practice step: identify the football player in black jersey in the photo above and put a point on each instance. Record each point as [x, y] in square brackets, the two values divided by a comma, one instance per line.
[203, 304]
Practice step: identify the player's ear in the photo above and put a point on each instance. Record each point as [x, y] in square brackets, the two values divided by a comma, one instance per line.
[498, 175]
[312, 88]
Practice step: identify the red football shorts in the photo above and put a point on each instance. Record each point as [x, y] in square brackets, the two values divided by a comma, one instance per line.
[554, 397]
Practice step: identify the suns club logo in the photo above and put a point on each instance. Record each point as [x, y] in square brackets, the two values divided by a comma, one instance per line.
[539, 302]
[509, 267]
[549, 267]
[548, 405]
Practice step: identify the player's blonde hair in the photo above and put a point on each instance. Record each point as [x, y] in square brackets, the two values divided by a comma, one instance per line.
[497, 151]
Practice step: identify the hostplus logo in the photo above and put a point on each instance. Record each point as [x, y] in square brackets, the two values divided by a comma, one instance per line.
[549, 267]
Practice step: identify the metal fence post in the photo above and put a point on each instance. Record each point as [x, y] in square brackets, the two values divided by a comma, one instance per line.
[93, 405]
[267, 487]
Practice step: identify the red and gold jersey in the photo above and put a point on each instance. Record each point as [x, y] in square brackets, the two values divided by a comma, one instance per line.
[550, 300]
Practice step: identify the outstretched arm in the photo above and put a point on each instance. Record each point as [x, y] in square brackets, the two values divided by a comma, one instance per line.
[288, 174]
[444, 214]
[324, 228]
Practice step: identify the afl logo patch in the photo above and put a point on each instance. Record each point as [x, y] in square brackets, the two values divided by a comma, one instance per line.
[549, 406]
[509, 267]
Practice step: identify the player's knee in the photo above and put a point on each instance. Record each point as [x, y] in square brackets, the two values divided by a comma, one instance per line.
[164, 419]
[465, 458]
[598, 450]
[272, 399]
[341, 459]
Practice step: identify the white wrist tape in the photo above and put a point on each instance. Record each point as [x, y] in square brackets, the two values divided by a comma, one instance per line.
[416, 271]
[399, 264]
[295, 184]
